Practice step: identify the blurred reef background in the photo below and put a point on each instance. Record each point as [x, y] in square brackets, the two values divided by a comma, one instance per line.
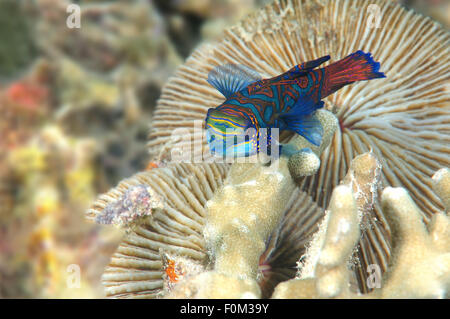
[76, 109]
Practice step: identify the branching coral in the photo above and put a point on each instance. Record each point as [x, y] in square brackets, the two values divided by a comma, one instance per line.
[172, 268]
[420, 262]
[419, 266]
[339, 231]
[230, 261]
[156, 260]
[324, 268]
[238, 238]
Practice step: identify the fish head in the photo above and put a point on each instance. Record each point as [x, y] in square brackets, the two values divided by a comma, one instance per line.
[230, 134]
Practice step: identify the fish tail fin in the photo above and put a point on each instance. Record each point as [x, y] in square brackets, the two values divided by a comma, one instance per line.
[358, 66]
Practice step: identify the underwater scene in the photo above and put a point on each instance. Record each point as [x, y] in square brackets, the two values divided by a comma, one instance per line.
[225, 149]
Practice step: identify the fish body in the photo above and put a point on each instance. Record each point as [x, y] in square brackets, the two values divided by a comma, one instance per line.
[286, 102]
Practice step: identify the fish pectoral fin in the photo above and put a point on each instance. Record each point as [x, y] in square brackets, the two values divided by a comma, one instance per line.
[309, 127]
[302, 120]
[231, 78]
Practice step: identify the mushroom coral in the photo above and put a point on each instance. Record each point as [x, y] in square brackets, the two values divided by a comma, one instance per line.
[174, 225]
[404, 119]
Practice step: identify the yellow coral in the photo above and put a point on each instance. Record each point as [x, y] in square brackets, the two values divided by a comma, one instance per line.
[420, 260]
[246, 211]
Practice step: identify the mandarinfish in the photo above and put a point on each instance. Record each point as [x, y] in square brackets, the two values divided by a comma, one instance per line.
[286, 102]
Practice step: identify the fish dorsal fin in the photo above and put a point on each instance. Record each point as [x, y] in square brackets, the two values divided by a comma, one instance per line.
[314, 63]
[231, 78]
[304, 68]
[302, 120]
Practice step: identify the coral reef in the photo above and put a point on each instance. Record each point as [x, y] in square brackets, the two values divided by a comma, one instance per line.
[419, 266]
[238, 246]
[387, 116]
[137, 202]
[151, 262]
[95, 88]
[107, 75]
[44, 199]
[76, 108]
[237, 239]
[136, 269]
[166, 253]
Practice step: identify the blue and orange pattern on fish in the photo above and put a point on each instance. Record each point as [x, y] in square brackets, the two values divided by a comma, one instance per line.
[286, 102]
